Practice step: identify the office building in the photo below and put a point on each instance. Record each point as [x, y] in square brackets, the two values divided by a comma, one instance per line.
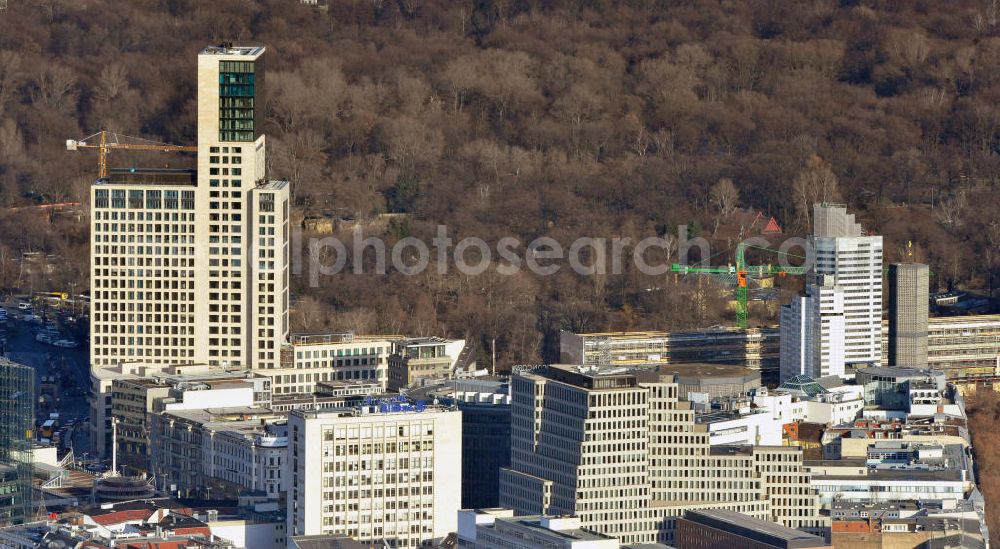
[964, 347]
[908, 314]
[338, 357]
[485, 407]
[192, 266]
[220, 453]
[723, 529]
[813, 332]
[133, 400]
[423, 359]
[754, 348]
[842, 250]
[17, 425]
[624, 452]
[388, 473]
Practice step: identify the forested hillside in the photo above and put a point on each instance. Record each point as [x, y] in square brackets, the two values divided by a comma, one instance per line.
[563, 119]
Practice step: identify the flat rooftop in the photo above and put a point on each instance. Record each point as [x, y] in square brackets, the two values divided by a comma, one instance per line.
[150, 176]
[229, 49]
[753, 528]
[707, 371]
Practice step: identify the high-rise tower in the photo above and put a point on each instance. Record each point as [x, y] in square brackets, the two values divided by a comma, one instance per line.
[192, 266]
[854, 260]
[908, 300]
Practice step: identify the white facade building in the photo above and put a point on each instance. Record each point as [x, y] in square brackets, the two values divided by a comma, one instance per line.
[813, 332]
[220, 452]
[339, 357]
[854, 260]
[392, 477]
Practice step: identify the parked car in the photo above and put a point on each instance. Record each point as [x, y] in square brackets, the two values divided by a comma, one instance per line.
[24, 306]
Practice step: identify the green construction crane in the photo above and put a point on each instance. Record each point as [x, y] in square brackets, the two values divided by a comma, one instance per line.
[742, 271]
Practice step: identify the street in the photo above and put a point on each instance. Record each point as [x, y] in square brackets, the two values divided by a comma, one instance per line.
[62, 378]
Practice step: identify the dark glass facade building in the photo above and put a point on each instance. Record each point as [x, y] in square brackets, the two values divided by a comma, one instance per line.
[17, 422]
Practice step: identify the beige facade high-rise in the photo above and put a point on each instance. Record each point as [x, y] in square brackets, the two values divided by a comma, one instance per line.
[624, 452]
[192, 266]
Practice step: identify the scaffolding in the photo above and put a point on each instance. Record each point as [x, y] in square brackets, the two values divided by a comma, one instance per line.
[17, 422]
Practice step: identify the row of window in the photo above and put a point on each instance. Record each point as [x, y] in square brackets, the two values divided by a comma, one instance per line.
[139, 199]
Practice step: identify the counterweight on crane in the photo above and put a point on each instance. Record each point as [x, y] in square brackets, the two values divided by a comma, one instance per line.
[105, 142]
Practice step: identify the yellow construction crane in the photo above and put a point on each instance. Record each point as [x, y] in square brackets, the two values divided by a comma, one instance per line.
[105, 142]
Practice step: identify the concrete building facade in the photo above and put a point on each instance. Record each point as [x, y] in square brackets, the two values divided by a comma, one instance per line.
[390, 477]
[854, 260]
[813, 332]
[909, 293]
[625, 454]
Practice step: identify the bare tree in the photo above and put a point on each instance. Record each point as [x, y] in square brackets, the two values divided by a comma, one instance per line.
[949, 210]
[725, 196]
[814, 183]
[56, 85]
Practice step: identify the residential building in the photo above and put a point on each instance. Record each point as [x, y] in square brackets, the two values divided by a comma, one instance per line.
[908, 524]
[813, 332]
[754, 348]
[338, 357]
[909, 295]
[140, 524]
[390, 477]
[423, 359]
[17, 425]
[841, 250]
[220, 453]
[624, 452]
[724, 529]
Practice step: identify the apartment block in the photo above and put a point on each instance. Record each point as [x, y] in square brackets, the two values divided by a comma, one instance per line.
[387, 477]
[909, 292]
[625, 453]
